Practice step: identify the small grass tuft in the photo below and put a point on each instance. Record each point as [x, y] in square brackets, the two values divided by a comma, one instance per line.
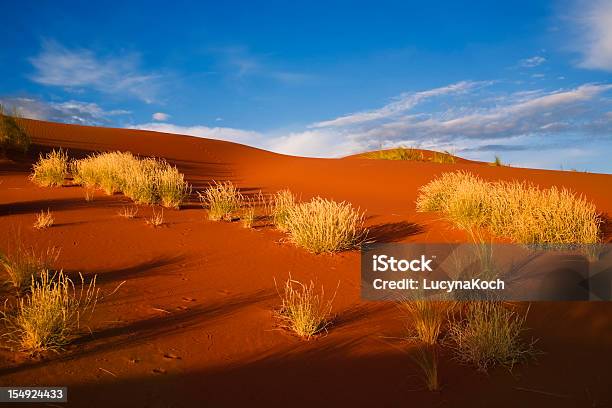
[304, 311]
[489, 334]
[13, 134]
[22, 263]
[282, 201]
[156, 219]
[49, 316]
[223, 200]
[44, 219]
[51, 169]
[426, 358]
[497, 162]
[248, 214]
[427, 317]
[322, 225]
[128, 211]
[444, 158]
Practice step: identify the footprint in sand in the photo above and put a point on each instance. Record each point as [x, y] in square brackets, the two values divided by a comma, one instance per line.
[158, 371]
[189, 299]
[171, 356]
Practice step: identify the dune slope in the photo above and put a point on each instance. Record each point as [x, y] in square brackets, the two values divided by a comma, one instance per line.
[192, 321]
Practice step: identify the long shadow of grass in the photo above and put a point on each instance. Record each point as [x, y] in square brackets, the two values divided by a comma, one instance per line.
[393, 232]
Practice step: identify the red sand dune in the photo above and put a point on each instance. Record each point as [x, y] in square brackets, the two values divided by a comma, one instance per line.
[192, 324]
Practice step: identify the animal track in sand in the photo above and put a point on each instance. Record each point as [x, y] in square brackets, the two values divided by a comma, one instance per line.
[158, 371]
[171, 356]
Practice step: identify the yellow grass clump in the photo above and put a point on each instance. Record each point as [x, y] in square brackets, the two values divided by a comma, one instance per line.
[444, 158]
[282, 201]
[322, 225]
[489, 334]
[427, 359]
[223, 200]
[156, 219]
[44, 219]
[128, 211]
[13, 134]
[400, 153]
[21, 264]
[304, 311]
[146, 181]
[516, 210]
[427, 318]
[51, 169]
[248, 214]
[48, 317]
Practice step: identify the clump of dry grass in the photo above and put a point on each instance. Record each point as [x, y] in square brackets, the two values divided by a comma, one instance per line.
[13, 134]
[223, 200]
[89, 195]
[516, 210]
[171, 186]
[44, 219]
[248, 214]
[48, 317]
[490, 334]
[22, 263]
[51, 169]
[304, 311]
[156, 219]
[400, 153]
[322, 225]
[128, 211]
[282, 201]
[427, 317]
[444, 158]
[427, 359]
[146, 181]
[497, 162]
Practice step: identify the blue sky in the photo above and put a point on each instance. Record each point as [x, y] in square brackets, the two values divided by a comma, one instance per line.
[527, 80]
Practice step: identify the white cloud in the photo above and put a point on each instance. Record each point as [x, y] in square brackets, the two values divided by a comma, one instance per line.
[160, 116]
[57, 65]
[402, 104]
[504, 122]
[84, 113]
[248, 137]
[532, 62]
[593, 23]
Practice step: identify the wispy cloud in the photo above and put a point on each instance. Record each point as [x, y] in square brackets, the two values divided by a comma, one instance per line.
[532, 62]
[242, 64]
[249, 137]
[80, 68]
[401, 104]
[593, 23]
[83, 113]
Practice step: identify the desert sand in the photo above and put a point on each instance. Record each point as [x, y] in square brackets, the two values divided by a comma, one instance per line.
[193, 323]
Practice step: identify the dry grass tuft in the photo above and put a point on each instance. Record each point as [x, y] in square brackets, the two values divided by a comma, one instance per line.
[51, 169]
[490, 334]
[322, 225]
[427, 359]
[248, 214]
[497, 162]
[13, 134]
[282, 201]
[428, 317]
[156, 219]
[44, 219]
[128, 211]
[21, 264]
[146, 181]
[303, 310]
[223, 200]
[444, 158]
[48, 317]
[516, 210]
[400, 153]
